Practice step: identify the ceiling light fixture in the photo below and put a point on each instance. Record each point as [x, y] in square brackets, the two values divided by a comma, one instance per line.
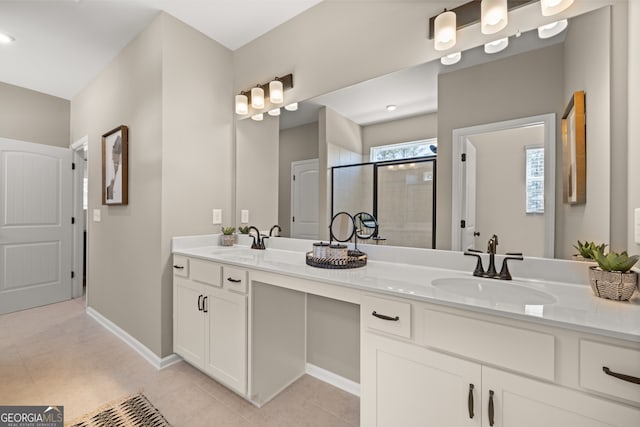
[496, 45]
[552, 29]
[257, 96]
[391, 107]
[452, 58]
[493, 16]
[6, 38]
[553, 7]
[291, 107]
[444, 30]
[274, 112]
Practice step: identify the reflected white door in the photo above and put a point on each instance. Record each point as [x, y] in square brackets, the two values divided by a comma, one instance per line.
[35, 224]
[305, 195]
[469, 197]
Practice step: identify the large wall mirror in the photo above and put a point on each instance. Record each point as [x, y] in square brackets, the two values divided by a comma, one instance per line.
[282, 161]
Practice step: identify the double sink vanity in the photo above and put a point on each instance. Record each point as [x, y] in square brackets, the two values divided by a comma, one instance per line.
[438, 346]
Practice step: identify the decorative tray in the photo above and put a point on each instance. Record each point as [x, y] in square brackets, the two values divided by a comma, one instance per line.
[354, 259]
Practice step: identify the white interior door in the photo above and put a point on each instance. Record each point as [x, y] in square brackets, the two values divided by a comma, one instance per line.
[305, 195]
[35, 224]
[469, 197]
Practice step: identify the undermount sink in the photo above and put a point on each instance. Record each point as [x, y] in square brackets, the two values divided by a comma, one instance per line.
[496, 291]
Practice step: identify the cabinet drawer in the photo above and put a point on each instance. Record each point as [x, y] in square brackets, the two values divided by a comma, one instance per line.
[180, 266]
[234, 279]
[518, 349]
[594, 356]
[205, 272]
[392, 317]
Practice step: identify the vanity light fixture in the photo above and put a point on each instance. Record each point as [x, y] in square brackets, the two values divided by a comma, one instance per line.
[257, 117]
[452, 58]
[256, 97]
[496, 45]
[291, 107]
[444, 30]
[552, 29]
[553, 7]
[493, 16]
[274, 112]
[6, 38]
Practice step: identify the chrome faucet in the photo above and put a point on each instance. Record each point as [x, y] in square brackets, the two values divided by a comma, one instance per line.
[275, 227]
[491, 270]
[258, 239]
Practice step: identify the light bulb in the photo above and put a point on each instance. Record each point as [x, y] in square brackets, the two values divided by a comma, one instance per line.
[552, 7]
[493, 16]
[242, 104]
[257, 97]
[276, 94]
[444, 31]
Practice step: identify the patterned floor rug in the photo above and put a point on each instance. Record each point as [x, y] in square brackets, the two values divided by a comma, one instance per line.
[134, 411]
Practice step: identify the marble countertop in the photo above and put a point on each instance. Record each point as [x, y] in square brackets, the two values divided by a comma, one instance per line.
[571, 306]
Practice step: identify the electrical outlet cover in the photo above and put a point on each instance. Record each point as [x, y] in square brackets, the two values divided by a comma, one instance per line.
[217, 216]
[244, 216]
[637, 225]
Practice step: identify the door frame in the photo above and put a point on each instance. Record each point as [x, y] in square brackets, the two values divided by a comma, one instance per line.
[78, 239]
[461, 135]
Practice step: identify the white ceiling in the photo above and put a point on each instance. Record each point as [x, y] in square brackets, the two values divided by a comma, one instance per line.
[61, 45]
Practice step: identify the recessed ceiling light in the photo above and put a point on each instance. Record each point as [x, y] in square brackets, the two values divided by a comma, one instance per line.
[391, 107]
[6, 38]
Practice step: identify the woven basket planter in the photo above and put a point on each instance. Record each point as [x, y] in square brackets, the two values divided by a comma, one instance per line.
[613, 284]
[227, 239]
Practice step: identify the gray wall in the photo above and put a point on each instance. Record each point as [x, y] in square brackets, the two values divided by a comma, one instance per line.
[519, 86]
[166, 86]
[633, 157]
[31, 116]
[298, 143]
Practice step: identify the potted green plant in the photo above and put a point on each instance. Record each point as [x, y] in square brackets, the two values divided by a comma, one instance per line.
[586, 250]
[227, 238]
[612, 278]
[244, 230]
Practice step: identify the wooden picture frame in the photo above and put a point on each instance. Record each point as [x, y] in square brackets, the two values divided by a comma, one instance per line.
[115, 168]
[574, 151]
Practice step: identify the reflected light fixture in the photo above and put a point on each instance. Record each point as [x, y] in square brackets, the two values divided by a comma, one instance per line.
[444, 31]
[6, 38]
[553, 29]
[274, 112]
[276, 92]
[493, 16]
[553, 7]
[257, 117]
[391, 107]
[496, 45]
[452, 58]
[291, 107]
[242, 104]
[257, 97]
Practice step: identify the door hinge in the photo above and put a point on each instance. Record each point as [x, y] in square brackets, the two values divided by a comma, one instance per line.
[73, 220]
[73, 274]
[294, 177]
[463, 224]
[73, 166]
[463, 157]
[293, 219]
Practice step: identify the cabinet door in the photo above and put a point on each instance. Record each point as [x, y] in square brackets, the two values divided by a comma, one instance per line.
[188, 321]
[226, 355]
[522, 402]
[406, 385]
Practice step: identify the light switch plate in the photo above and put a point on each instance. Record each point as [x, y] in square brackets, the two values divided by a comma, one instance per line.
[217, 216]
[636, 223]
[96, 215]
[244, 216]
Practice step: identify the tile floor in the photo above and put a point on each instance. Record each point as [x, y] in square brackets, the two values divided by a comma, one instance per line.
[58, 355]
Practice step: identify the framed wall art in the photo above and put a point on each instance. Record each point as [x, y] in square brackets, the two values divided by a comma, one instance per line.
[574, 151]
[115, 169]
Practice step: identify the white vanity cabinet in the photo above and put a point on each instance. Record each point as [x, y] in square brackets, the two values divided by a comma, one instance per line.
[210, 320]
[427, 366]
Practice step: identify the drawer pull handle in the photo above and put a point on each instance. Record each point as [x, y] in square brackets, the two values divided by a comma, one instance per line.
[622, 377]
[179, 267]
[200, 302]
[383, 317]
[491, 408]
[470, 401]
[204, 304]
[233, 280]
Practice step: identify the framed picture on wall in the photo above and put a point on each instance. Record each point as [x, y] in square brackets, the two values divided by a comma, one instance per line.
[574, 153]
[115, 170]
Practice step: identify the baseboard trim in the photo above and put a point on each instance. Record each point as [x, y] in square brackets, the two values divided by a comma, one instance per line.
[334, 379]
[156, 361]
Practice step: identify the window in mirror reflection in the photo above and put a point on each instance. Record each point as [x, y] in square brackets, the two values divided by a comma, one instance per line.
[535, 179]
[405, 150]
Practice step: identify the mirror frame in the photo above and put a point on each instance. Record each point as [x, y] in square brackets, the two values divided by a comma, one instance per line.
[457, 190]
